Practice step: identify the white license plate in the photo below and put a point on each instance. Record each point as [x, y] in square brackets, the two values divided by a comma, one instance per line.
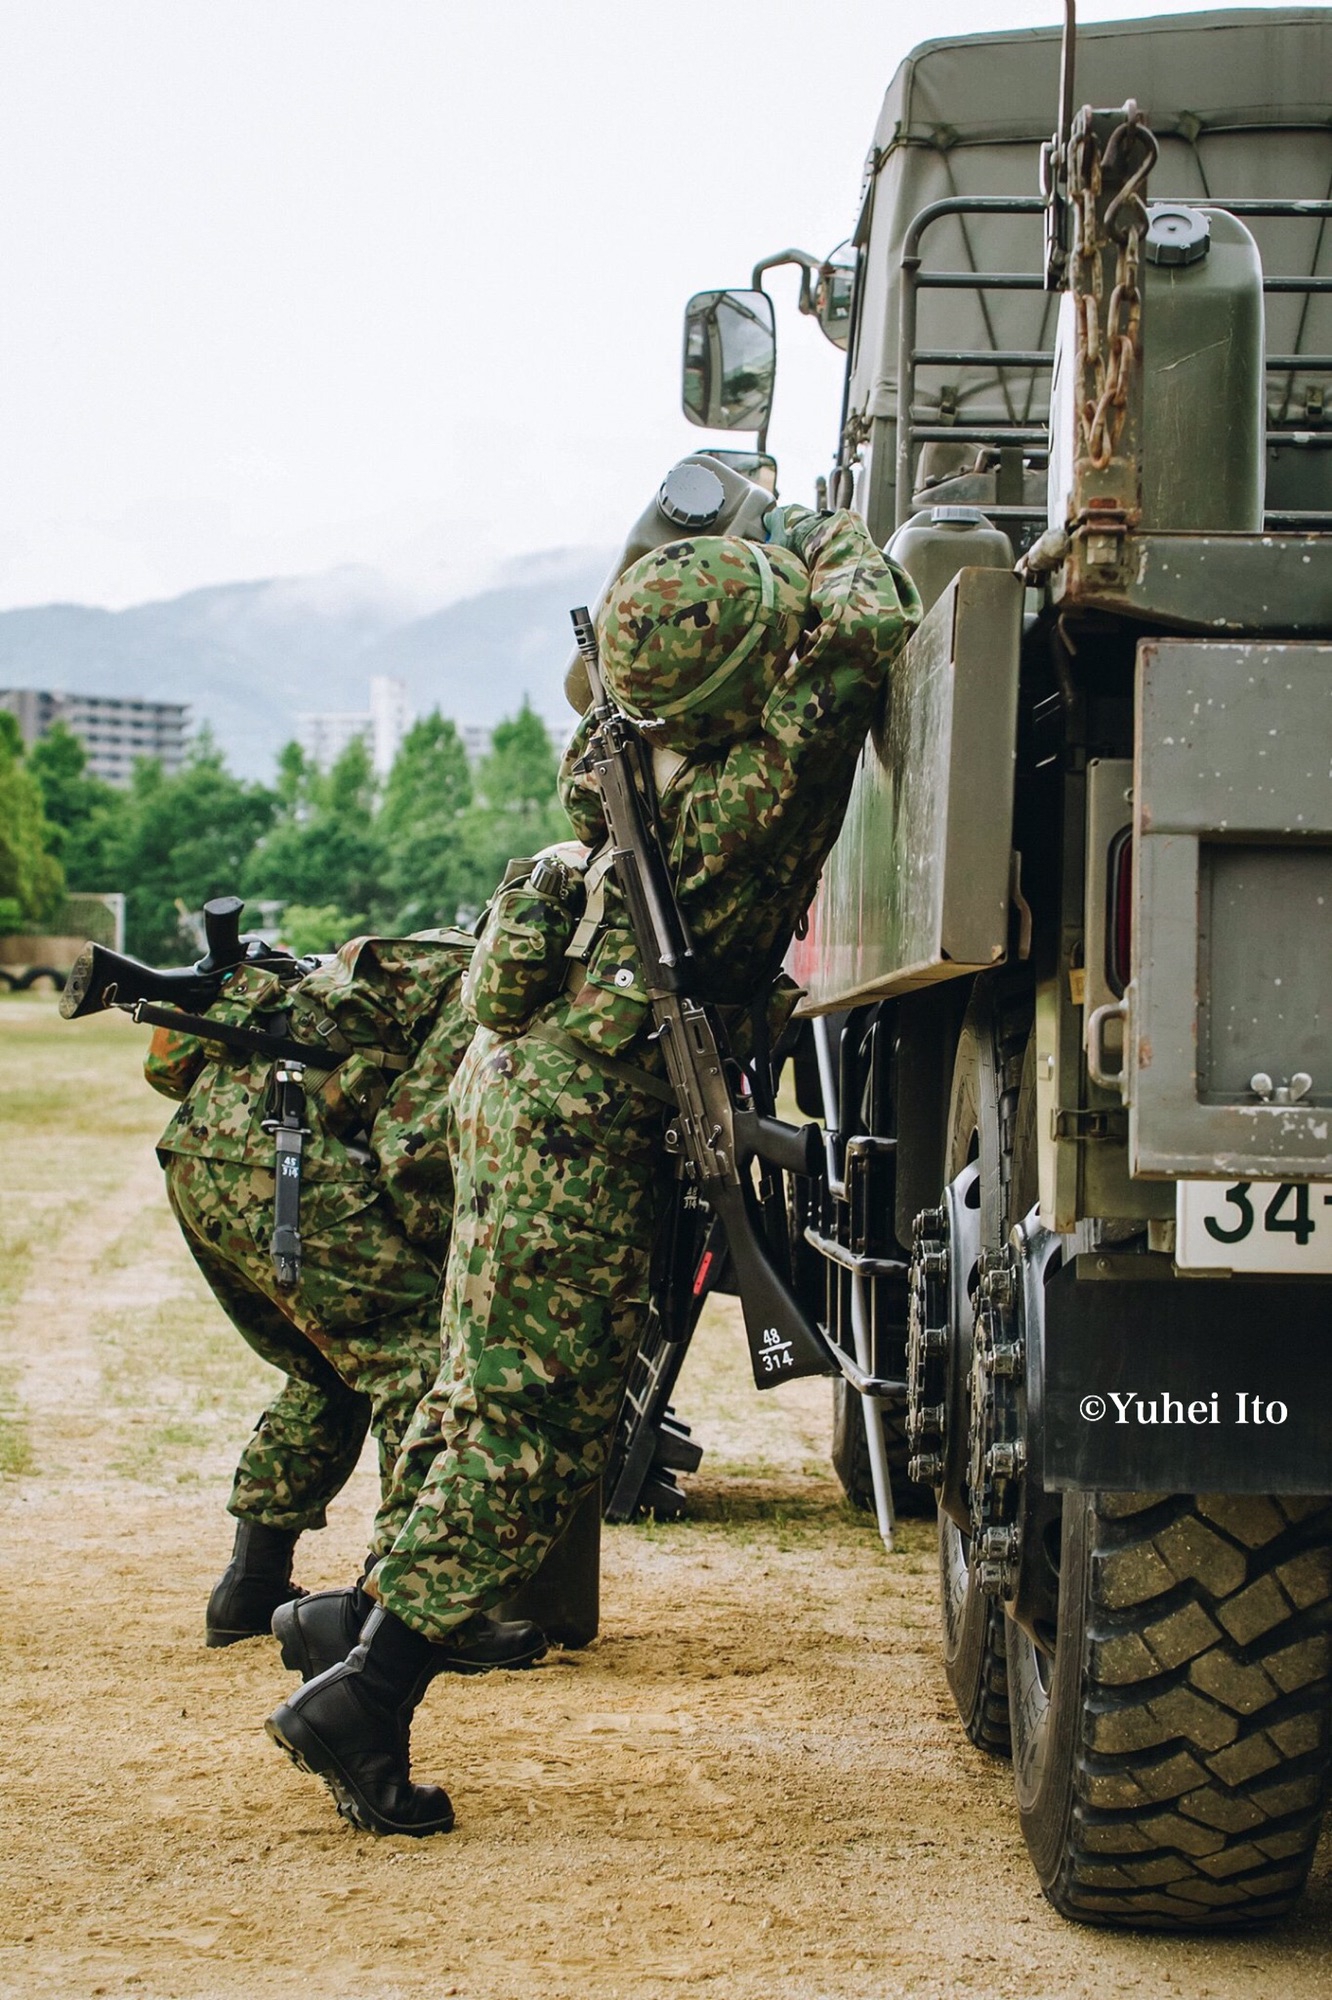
[1253, 1226]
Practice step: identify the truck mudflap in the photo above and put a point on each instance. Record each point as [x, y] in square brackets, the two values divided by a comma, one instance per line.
[1170, 1385]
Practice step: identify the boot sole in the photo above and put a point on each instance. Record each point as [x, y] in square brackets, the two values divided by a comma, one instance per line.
[309, 1753]
[219, 1635]
[517, 1664]
[296, 1657]
[230, 1635]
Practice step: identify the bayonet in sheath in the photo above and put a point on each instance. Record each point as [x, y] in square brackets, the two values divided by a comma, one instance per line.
[289, 1135]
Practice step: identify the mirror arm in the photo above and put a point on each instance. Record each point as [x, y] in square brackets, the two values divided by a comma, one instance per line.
[809, 270]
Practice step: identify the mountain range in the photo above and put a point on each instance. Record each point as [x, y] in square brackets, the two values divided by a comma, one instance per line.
[249, 657]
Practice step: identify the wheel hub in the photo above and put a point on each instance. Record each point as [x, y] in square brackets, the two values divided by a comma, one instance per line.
[945, 1243]
[997, 1455]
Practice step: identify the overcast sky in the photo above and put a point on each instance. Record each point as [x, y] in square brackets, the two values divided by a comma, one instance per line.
[292, 284]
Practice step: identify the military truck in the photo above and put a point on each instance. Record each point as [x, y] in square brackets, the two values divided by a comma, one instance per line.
[29, 961]
[1068, 1017]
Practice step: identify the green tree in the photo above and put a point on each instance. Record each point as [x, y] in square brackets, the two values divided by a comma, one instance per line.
[319, 929]
[185, 838]
[323, 851]
[517, 810]
[420, 824]
[297, 779]
[31, 878]
[87, 815]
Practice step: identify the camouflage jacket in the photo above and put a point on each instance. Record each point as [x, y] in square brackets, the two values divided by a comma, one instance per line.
[389, 1011]
[749, 826]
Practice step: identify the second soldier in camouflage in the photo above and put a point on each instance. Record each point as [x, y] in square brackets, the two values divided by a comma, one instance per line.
[357, 1336]
[758, 670]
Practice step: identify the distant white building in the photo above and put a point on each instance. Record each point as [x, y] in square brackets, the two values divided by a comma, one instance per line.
[324, 734]
[113, 731]
[391, 717]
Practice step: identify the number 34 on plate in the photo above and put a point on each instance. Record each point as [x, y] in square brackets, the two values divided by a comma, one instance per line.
[1254, 1226]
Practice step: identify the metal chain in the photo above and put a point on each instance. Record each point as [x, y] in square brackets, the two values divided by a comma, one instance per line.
[1107, 353]
[1102, 417]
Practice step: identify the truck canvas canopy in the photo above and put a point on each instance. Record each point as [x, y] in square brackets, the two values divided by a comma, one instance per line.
[1238, 102]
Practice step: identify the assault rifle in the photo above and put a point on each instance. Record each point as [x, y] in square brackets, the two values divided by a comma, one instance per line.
[101, 979]
[717, 1137]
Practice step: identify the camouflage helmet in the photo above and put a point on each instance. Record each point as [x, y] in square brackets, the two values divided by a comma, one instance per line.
[692, 634]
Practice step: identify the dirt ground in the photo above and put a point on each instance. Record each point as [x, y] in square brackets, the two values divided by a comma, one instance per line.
[751, 1786]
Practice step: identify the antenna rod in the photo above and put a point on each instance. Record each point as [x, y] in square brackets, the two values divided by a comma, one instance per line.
[1067, 54]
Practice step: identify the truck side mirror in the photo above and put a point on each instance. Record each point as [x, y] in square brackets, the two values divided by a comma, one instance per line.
[730, 360]
[833, 292]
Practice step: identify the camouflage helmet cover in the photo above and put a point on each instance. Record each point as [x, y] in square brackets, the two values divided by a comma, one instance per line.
[692, 633]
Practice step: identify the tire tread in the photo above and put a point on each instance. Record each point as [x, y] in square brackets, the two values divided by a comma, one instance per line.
[1202, 1765]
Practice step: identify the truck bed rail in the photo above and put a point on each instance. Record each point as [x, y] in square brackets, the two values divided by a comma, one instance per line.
[912, 432]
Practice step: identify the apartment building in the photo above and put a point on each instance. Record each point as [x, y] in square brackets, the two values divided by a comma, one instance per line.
[114, 731]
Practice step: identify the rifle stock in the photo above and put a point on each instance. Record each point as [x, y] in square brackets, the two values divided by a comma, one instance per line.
[784, 1345]
[101, 978]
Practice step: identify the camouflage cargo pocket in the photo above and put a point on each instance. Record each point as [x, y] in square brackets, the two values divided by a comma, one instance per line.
[352, 1096]
[356, 1265]
[611, 1010]
[519, 963]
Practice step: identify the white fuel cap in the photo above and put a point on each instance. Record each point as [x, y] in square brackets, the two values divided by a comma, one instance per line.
[691, 496]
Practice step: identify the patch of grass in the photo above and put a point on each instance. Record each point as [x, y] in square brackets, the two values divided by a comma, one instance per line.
[75, 1107]
[185, 1384]
[151, 1453]
[772, 1512]
[15, 1447]
[759, 1468]
[133, 1246]
[15, 1259]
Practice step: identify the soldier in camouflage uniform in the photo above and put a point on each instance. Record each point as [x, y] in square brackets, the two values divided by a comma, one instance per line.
[760, 668]
[357, 1338]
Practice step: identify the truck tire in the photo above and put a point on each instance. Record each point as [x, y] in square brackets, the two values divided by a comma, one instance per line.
[1171, 1762]
[975, 1661]
[850, 1456]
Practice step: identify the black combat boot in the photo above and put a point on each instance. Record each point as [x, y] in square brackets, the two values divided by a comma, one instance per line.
[317, 1631]
[351, 1727]
[253, 1584]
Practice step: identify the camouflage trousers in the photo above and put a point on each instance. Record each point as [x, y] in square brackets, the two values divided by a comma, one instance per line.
[547, 1278]
[348, 1371]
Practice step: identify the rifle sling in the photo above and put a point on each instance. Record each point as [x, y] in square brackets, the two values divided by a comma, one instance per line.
[580, 945]
[637, 1079]
[254, 1041]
